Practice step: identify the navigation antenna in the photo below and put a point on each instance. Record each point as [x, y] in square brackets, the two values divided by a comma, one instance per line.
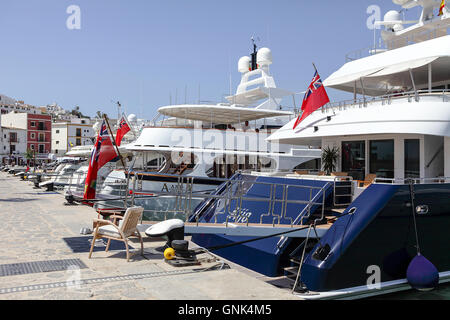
[119, 113]
[254, 54]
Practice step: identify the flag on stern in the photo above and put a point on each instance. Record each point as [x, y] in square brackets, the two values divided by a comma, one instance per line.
[124, 128]
[103, 152]
[441, 8]
[315, 97]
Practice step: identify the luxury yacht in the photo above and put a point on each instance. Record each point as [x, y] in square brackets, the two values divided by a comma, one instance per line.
[208, 143]
[379, 222]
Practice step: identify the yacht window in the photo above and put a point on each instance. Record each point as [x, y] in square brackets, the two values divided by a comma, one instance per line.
[382, 158]
[412, 158]
[354, 159]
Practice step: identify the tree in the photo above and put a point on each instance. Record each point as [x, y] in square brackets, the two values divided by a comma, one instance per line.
[29, 155]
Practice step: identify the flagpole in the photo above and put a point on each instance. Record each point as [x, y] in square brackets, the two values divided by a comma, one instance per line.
[114, 140]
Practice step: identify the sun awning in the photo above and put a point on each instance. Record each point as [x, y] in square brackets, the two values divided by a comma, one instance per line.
[220, 114]
[388, 71]
[401, 67]
[349, 78]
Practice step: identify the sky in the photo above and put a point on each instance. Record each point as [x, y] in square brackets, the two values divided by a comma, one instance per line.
[142, 52]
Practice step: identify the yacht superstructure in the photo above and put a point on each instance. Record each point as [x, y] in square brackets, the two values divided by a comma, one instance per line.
[388, 192]
[211, 142]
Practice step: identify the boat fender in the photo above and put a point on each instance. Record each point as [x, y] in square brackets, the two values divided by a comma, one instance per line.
[422, 274]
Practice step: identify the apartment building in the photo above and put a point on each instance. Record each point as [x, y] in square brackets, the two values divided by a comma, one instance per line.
[69, 134]
[13, 145]
[38, 127]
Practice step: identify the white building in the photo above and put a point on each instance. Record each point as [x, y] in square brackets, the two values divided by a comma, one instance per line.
[66, 135]
[13, 145]
[8, 105]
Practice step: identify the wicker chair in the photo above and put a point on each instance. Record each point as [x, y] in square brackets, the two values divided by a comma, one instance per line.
[127, 228]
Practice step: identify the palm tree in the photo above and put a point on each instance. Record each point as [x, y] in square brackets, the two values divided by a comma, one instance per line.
[329, 159]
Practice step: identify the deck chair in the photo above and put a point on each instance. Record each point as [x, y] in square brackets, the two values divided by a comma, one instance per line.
[127, 228]
[368, 180]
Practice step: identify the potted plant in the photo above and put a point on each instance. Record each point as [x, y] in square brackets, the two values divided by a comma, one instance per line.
[329, 159]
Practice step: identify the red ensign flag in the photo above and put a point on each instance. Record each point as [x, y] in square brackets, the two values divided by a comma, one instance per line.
[124, 128]
[315, 97]
[102, 153]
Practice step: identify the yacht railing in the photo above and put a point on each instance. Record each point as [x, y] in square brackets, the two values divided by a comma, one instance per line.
[180, 201]
[403, 181]
[397, 42]
[410, 96]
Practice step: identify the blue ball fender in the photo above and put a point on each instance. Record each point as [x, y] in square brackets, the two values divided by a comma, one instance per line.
[422, 274]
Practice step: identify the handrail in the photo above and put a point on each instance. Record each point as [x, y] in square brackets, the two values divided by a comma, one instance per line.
[404, 181]
[363, 102]
[397, 42]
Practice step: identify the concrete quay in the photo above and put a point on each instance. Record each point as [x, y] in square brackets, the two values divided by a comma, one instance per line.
[36, 226]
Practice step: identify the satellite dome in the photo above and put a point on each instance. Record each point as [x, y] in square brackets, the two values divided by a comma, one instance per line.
[96, 126]
[132, 118]
[392, 16]
[264, 57]
[244, 64]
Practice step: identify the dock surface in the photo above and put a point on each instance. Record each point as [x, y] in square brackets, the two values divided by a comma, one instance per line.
[44, 256]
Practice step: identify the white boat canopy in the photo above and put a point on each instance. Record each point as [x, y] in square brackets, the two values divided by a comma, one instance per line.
[388, 71]
[220, 114]
[253, 95]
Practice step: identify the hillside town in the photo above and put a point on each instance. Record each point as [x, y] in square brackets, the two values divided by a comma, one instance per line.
[37, 135]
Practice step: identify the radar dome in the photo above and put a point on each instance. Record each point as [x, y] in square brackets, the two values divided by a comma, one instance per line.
[264, 57]
[96, 126]
[391, 19]
[392, 16]
[132, 118]
[244, 64]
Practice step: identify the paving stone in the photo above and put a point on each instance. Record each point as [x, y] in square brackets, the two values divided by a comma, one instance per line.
[33, 228]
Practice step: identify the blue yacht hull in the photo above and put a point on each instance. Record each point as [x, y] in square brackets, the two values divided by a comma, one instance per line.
[379, 233]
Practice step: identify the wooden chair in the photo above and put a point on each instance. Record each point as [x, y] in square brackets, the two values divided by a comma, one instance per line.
[368, 180]
[127, 228]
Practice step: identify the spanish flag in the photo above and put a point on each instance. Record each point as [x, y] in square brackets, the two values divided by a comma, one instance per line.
[441, 8]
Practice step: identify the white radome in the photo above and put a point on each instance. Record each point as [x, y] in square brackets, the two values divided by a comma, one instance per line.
[132, 118]
[264, 57]
[96, 126]
[392, 16]
[244, 64]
